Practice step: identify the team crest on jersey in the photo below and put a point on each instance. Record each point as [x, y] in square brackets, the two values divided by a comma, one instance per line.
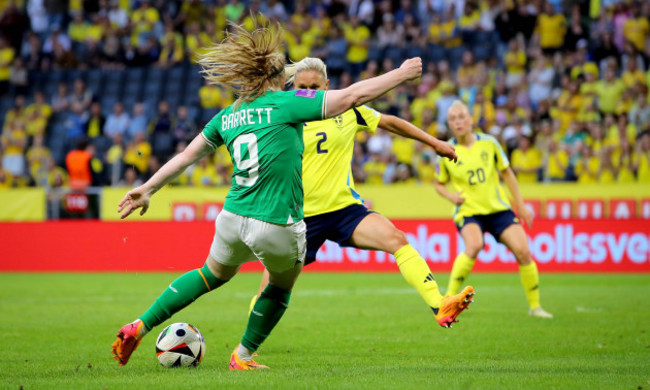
[339, 121]
[484, 157]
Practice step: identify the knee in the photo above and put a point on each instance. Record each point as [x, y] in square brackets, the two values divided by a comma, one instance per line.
[522, 255]
[396, 240]
[472, 249]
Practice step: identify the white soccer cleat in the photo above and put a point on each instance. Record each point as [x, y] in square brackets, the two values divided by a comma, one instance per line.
[539, 313]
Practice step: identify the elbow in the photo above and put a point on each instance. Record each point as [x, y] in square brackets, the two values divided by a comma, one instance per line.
[353, 100]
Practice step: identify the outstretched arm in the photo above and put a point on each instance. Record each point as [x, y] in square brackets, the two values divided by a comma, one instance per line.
[139, 197]
[511, 181]
[405, 129]
[357, 94]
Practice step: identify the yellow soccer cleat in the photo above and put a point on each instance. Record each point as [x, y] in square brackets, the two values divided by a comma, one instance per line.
[452, 306]
[237, 364]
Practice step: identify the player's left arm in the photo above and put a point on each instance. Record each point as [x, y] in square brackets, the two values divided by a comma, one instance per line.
[405, 129]
[511, 181]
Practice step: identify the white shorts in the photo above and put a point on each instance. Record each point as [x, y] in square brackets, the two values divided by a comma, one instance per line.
[238, 240]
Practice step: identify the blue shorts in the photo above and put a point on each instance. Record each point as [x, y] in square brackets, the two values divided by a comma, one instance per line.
[494, 223]
[336, 226]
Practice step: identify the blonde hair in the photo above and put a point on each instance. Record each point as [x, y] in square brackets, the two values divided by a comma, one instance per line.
[245, 62]
[307, 63]
[457, 103]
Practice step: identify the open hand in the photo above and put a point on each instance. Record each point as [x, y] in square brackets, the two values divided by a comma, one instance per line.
[134, 200]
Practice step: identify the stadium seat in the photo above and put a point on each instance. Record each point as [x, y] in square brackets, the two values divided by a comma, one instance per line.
[395, 54]
[436, 53]
[135, 74]
[94, 80]
[132, 90]
[175, 74]
[155, 76]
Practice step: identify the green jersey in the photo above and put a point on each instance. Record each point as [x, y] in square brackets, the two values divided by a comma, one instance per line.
[264, 138]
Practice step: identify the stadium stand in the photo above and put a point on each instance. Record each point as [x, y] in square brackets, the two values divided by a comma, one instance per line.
[562, 84]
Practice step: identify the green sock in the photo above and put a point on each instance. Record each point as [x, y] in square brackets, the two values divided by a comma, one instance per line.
[266, 313]
[180, 293]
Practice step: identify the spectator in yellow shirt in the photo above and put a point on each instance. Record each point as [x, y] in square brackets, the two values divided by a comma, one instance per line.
[557, 162]
[210, 96]
[636, 29]
[357, 36]
[375, 168]
[609, 92]
[607, 171]
[633, 76]
[204, 174]
[588, 166]
[404, 150]
[6, 58]
[426, 170]
[138, 153]
[77, 28]
[515, 60]
[526, 161]
[143, 21]
[6, 179]
[40, 106]
[196, 41]
[483, 112]
[551, 28]
[643, 158]
[624, 160]
[172, 48]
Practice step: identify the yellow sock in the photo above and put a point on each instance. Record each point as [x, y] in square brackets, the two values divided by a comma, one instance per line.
[417, 273]
[459, 272]
[530, 280]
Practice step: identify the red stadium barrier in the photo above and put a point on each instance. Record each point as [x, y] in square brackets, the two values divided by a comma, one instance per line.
[558, 246]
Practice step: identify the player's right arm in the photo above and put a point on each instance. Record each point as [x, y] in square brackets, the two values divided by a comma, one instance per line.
[357, 94]
[140, 196]
[456, 198]
[440, 184]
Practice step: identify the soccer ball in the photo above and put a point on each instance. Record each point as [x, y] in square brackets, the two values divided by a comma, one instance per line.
[180, 345]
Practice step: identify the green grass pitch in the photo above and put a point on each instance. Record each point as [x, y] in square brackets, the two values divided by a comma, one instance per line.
[342, 331]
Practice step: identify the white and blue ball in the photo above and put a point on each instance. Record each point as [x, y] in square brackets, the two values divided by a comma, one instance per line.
[180, 345]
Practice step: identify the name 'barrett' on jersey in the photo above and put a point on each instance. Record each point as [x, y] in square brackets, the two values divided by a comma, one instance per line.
[264, 139]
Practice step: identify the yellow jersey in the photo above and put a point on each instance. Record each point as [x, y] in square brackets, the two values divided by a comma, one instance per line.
[476, 174]
[326, 170]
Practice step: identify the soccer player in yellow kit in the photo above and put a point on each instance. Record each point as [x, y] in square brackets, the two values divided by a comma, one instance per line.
[334, 210]
[482, 205]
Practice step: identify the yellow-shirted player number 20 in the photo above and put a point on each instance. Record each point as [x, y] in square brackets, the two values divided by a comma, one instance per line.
[250, 164]
[479, 174]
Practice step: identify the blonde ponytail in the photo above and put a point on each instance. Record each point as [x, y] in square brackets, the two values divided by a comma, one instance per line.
[246, 62]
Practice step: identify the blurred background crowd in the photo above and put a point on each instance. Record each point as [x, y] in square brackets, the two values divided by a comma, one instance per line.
[103, 92]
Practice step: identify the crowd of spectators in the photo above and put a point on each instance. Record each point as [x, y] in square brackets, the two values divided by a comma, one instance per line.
[563, 85]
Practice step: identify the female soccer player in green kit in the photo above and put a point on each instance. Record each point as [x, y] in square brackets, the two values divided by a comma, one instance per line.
[262, 218]
[482, 205]
[334, 210]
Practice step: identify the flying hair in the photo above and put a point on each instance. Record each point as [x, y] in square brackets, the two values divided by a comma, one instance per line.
[307, 63]
[247, 63]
